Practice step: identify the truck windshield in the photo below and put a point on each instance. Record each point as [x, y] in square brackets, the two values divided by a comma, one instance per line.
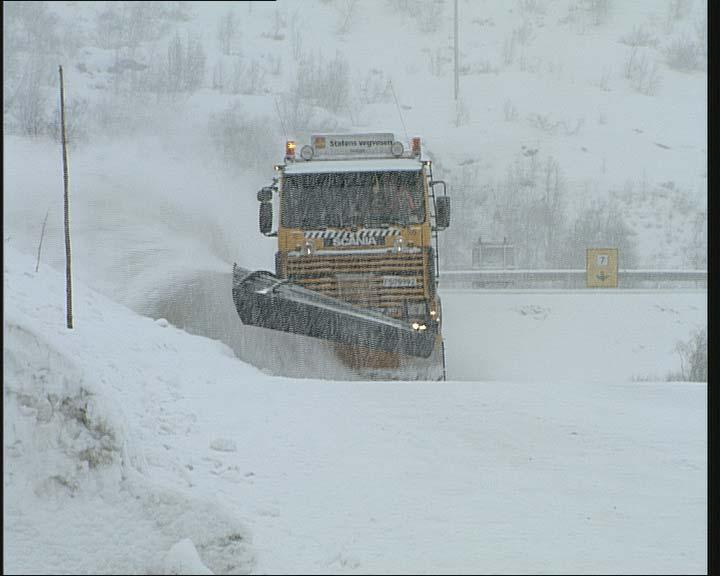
[343, 199]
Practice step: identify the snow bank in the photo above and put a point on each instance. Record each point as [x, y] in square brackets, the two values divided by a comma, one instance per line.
[88, 486]
[184, 559]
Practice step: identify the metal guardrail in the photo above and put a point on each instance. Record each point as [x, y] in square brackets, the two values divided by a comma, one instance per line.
[572, 279]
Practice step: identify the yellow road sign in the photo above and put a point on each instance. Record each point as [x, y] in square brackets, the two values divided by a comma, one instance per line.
[602, 267]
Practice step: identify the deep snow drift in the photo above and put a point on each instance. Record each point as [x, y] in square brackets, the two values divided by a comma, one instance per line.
[131, 446]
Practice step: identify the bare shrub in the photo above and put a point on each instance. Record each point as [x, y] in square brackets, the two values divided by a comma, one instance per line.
[604, 82]
[120, 113]
[247, 78]
[398, 5]
[543, 122]
[76, 122]
[128, 24]
[461, 114]
[296, 39]
[298, 113]
[598, 10]
[510, 111]
[345, 17]
[326, 84]
[552, 208]
[602, 224]
[482, 66]
[640, 37]
[178, 11]
[678, 9]
[644, 77]
[244, 141]
[531, 208]
[470, 194]
[31, 27]
[509, 49]
[274, 64]
[684, 54]
[439, 62]
[535, 7]
[572, 130]
[525, 33]
[428, 14]
[696, 249]
[278, 26]
[374, 87]
[29, 102]
[194, 64]
[184, 67]
[218, 76]
[228, 32]
[693, 358]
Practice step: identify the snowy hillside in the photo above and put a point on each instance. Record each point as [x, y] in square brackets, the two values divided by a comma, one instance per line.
[569, 112]
[132, 447]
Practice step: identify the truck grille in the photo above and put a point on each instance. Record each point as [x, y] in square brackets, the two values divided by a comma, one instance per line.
[384, 281]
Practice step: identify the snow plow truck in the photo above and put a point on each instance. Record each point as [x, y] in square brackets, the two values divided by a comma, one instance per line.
[357, 223]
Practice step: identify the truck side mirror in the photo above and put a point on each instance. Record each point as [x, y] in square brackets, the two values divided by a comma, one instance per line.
[266, 217]
[265, 194]
[442, 212]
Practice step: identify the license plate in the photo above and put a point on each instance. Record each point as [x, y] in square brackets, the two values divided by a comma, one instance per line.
[399, 281]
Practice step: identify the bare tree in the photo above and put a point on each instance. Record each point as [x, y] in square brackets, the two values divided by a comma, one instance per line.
[175, 64]
[195, 60]
[29, 102]
[644, 77]
[218, 81]
[346, 14]
[228, 31]
[185, 65]
[693, 358]
[602, 224]
[598, 10]
[553, 209]
[325, 84]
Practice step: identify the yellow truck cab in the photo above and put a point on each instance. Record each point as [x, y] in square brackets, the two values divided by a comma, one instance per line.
[358, 220]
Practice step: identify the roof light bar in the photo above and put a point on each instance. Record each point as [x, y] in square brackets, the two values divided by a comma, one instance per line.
[416, 146]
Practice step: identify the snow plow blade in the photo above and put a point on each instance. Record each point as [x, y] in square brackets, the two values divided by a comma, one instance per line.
[262, 299]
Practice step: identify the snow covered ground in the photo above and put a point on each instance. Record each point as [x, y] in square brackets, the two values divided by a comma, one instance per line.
[131, 446]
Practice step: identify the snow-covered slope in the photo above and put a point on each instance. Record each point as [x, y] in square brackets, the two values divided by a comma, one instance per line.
[91, 484]
[555, 79]
[133, 447]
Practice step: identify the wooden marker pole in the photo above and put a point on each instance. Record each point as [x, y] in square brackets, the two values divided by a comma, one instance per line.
[68, 274]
